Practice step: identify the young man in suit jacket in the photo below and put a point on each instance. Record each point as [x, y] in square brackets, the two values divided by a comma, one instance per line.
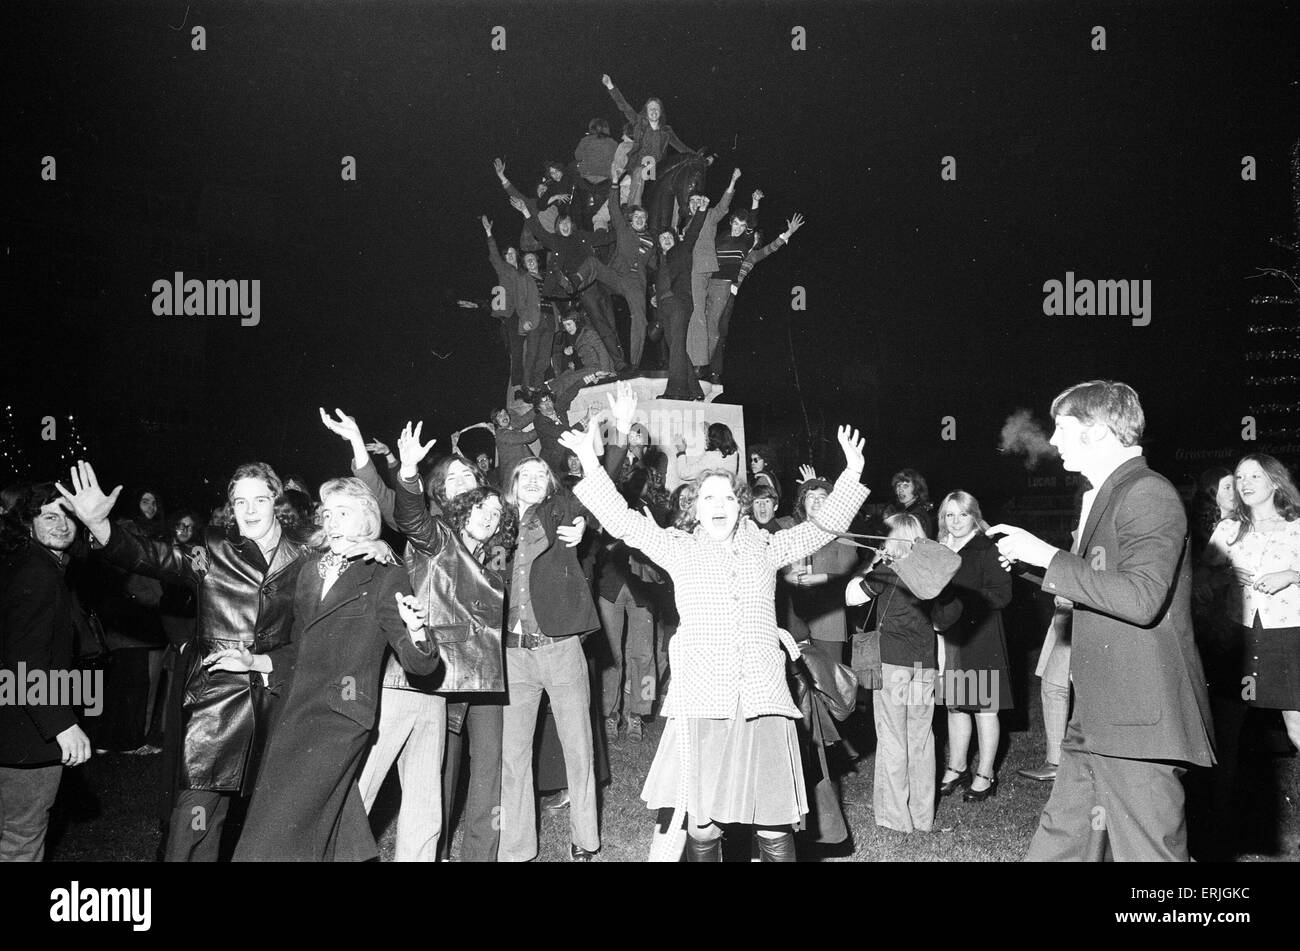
[1141, 710]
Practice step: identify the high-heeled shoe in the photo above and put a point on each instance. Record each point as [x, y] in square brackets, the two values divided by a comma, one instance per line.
[952, 785]
[979, 795]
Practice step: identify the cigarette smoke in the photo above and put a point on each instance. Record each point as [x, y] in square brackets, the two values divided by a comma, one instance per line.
[1022, 436]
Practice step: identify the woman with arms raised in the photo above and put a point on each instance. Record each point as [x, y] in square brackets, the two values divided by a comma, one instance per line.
[730, 753]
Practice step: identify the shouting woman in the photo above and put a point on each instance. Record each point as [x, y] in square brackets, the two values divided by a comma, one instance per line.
[730, 753]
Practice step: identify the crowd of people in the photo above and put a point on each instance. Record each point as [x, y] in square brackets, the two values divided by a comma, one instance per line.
[302, 660]
[486, 626]
[622, 221]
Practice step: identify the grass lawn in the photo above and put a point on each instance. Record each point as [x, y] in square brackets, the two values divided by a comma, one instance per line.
[107, 810]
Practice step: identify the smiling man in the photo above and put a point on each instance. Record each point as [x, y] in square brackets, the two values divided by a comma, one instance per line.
[1141, 711]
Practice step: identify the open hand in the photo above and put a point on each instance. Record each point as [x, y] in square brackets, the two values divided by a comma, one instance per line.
[487, 224]
[345, 426]
[806, 472]
[410, 451]
[583, 445]
[794, 224]
[622, 406]
[88, 501]
[852, 443]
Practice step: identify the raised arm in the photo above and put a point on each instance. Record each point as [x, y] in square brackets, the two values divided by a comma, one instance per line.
[505, 273]
[597, 492]
[628, 112]
[413, 520]
[616, 216]
[346, 427]
[719, 211]
[545, 238]
[836, 512]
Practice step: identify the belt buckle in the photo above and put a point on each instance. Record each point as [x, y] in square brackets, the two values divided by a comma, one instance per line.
[530, 641]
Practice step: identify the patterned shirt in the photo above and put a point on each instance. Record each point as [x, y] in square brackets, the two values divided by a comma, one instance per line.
[727, 649]
[1259, 553]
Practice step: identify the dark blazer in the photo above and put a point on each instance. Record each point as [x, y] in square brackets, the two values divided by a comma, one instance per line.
[560, 592]
[37, 630]
[306, 806]
[243, 601]
[1140, 692]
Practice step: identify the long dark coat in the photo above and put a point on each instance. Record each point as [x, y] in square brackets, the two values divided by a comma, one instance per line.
[306, 807]
[969, 612]
[242, 602]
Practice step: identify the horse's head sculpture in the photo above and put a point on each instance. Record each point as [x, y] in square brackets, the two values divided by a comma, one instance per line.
[674, 182]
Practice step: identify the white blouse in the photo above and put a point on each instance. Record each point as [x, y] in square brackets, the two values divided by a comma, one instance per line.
[1259, 553]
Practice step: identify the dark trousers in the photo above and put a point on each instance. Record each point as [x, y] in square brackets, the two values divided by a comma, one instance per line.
[682, 382]
[719, 351]
[516, 345]
[537, 353]
[483, 799]
[1110, 809]
[632, 288]
[194, 830]
[596, 302]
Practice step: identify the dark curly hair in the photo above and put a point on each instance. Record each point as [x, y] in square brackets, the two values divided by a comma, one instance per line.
[16, 529]
[459, 509]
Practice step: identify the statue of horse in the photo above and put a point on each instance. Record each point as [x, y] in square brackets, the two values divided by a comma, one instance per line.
[674, 181]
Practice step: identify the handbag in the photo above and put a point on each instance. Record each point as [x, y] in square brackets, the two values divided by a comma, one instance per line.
[927, 568]
[866, 652]
[836, 682]
[866, 659]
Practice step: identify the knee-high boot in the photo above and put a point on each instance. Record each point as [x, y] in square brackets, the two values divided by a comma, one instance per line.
[776, 848]
[703, 850]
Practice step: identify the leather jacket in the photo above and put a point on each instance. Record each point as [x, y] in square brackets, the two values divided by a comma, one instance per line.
[242, 602]
[465, 601]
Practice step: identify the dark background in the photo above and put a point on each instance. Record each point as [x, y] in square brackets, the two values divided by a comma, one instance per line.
[924, 296]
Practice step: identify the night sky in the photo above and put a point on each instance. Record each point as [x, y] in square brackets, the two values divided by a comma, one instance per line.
[924, 296]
